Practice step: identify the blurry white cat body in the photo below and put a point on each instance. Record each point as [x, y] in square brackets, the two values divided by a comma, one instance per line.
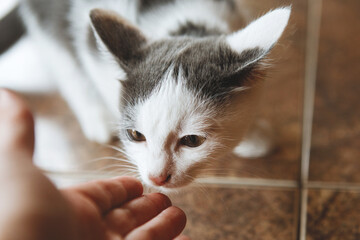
[180, 88]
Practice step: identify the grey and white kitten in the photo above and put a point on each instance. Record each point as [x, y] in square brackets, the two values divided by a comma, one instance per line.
[181, 88]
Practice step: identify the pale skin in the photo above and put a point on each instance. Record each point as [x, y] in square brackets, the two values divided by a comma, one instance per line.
[33, 208]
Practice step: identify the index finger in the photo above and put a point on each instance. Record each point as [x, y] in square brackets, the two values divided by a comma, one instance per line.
[165, 226]
[110, 193]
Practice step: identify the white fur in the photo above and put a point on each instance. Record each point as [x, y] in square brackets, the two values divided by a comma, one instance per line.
[262, 33]
[102, 70]
[53, 150]
[82, 97]
[6, 6]
[32, 78]
[169, 114]
[172, 111]
[103, 91]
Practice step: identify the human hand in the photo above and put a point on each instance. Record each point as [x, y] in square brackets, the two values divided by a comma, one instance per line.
[33, 208]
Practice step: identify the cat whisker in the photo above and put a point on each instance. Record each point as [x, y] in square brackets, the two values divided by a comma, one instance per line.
[107, 158]
[118, 166]
[122, 151]
[123, 172]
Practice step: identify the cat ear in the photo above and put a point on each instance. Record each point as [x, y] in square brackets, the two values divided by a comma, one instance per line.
[260, 35]
[121, 38]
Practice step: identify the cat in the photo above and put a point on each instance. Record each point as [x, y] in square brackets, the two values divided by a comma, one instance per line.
[180, 86]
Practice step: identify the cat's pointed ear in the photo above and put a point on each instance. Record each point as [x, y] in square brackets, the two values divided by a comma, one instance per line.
[260, 35]
[121, 38]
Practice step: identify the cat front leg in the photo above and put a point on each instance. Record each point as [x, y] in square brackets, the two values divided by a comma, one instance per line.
[80, 93]
[259, 141]
[87, 106]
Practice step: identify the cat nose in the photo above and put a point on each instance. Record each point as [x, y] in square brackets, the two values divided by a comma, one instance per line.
[160, 180]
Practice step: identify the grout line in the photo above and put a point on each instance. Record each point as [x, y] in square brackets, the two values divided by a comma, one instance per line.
[233, 182]
[236, 182]
[303, 214]
[248, 182]
[312, 48]
[337, 186]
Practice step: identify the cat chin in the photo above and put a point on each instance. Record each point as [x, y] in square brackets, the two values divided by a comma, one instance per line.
[170, 189]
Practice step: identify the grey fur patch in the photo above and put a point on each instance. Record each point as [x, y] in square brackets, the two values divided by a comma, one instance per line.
[146, 5]
[52, 16]
[121, 38]
[143, 78]
[231, 3]
[195, 30]
[211, 69]
[11, 28]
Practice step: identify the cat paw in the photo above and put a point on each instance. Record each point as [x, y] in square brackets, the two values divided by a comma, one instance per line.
[258, 143]
[251, 149]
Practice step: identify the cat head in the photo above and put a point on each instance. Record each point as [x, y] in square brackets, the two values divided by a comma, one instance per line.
[186, 100]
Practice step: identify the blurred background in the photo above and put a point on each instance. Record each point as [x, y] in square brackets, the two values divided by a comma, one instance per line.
[307, 188]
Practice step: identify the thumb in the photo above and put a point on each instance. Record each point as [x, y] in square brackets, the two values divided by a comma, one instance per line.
[16, 127]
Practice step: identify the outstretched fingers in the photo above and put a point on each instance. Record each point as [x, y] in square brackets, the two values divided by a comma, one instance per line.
[109, 194]
[136, 212]
[165, 226]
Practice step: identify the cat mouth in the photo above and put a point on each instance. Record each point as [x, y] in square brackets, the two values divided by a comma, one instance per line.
[172, 184]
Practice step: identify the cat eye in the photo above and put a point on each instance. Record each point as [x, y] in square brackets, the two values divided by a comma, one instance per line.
[136, 136]
[192, 141]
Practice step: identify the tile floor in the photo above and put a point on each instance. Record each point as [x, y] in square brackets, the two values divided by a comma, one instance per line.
[335, 148]
[333, 215]
[276, 197]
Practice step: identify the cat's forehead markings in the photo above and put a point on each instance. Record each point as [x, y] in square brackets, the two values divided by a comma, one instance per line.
[212, 70]
[149, 73]
[205, 66]
[176, 103]
[172, 111]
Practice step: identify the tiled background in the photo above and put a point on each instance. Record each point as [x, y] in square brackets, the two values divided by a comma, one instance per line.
[335, 148]
[307, 188]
